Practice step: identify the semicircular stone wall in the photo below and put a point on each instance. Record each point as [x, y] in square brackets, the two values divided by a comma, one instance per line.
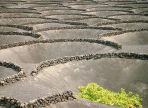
[50, 47]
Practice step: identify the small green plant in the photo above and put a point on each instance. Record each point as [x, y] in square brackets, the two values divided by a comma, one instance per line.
[122, 99]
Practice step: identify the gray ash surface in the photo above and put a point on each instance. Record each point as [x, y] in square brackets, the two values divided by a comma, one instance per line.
[50, 47]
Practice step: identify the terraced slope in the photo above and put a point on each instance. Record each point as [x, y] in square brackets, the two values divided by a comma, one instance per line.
[50, 47]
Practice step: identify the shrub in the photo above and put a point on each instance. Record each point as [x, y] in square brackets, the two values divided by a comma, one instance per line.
[122, 99]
